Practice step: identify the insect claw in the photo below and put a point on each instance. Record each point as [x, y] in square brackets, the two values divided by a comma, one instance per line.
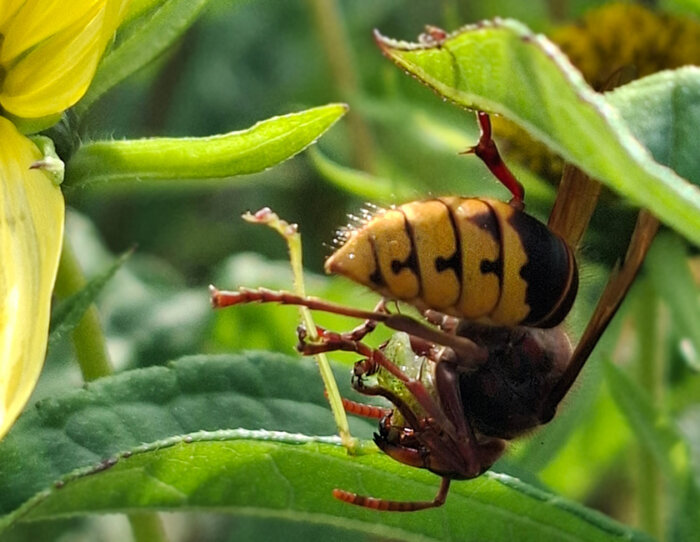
[302, 334]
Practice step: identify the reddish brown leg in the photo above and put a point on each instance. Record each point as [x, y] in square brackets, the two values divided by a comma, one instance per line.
[368, 326]
[445, 322]
[447, 382]
[403, 454]
[364, 410]
[466, 348]
[394, 506]
[448, 455]
[420, 346]
[334, 341]
[372, 411]
[488, 152]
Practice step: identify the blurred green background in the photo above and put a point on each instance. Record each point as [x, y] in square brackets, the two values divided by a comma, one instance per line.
[245, 61]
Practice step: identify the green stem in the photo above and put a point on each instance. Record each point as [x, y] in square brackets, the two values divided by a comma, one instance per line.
[331, 386]
[651, 504]
[329, 25]
[91, 352]
[147, 527]
[292, 237]
[88, 339]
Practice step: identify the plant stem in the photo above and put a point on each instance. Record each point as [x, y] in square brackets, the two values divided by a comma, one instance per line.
[147, 527]
[329, 24]
[292, 237]
[91, 352]
[331, 386]
[88, 339]
[651, 504]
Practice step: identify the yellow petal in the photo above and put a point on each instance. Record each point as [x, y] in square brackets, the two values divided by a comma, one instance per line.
[8, 8]
[117, 11]
[37, 20]
[56, 73]
[31, 233]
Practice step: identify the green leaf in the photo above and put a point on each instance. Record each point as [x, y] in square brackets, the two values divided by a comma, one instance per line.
[119, 413]
[663, 112]
[596, 443]
[662, 439]
[360, 183]
[502, 67]
[152, 34]
[139, 7]
[276, 474]
[237, 153]
[188, 437]
[669, 271]
[654, 431]
[67, 314]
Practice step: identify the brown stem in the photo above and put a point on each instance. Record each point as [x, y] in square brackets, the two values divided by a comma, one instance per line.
[328, 21]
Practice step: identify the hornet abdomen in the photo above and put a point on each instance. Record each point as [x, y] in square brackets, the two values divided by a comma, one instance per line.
[478, 259]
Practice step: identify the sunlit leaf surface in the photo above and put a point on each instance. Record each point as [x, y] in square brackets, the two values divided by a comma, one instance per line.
[168, 438]
[529, 81]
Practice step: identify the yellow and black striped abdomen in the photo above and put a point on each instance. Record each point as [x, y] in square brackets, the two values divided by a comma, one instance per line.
[478, 259]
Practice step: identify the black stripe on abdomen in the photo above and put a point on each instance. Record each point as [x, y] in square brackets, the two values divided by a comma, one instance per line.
[547, 271]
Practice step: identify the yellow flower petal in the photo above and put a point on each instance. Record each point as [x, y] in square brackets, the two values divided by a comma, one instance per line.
[37, 20]
[31, 232]
[7, 10]
[55, 74]
[117, 11]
